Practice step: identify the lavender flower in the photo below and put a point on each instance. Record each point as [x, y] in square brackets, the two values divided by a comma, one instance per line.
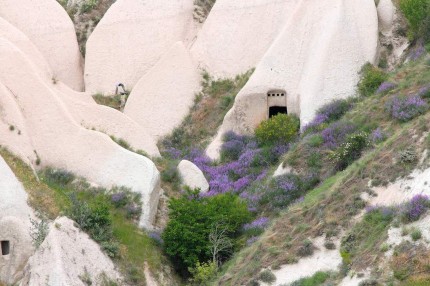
[335, 134]
[417, 52]
[156, 237]
[424, 91]
[377, 135]
[258, 224]
[386, 86]
[417, 206]
[251, 240]
[405, 108]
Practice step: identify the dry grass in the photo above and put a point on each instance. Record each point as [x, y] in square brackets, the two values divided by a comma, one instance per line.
[42, 198]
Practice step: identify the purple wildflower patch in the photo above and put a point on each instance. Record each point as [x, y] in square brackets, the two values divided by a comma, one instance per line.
[335, 134]
[258, 224]
[377, 135]
[416, 207]
[386, 86]
[406, 108]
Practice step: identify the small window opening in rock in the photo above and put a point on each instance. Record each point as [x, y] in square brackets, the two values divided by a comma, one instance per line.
[5, 247]
[275, 110]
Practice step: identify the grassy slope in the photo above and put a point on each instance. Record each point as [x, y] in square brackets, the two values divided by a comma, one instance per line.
[329, 208]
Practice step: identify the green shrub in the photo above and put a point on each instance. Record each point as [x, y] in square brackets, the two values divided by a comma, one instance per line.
[202, 273]
[417, 12]
[38, 231]
[316, 140]
[267, 276]
[280, 128]
[416, 234]
[186, 237]
[317, 279]
[88, 5]
[307, 249]
[350, 150]
[58, 176]
[94, 219]
[170, 174]
[408, 156]
[371, 78]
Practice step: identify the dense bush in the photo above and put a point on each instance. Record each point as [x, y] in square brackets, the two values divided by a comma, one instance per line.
[405, 108]
[267, 276]
[186, 237]
[202, 273]
[370, 80]
[350, 150]
[280, 128]
[95, 220]
[417, 12]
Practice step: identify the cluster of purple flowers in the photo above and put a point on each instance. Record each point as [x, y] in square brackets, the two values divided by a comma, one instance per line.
[424, 91]
[328, 113]
[377, 136]
[335, 134]
[417, 206]
[156, 237]
[251, 240]
[258, 224]
[386, 86]
[118, 198]
[417, 52]
[405, 108]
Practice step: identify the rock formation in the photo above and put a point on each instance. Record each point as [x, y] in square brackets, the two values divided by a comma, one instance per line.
[236, 34]
[130, 39]
[164, 95]
[49, 27]
[51, 133]
[192, 176]
[332, 41]
[68, 257]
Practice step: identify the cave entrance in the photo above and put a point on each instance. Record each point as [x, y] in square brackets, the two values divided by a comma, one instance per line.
[275, 110]
[5, 247]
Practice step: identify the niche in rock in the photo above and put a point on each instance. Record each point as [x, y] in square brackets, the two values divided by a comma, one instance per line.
[5, 247]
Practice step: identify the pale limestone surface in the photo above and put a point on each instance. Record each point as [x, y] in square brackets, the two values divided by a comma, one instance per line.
[386, 14]
[14, 225]
[65, 256]
[22, 42]
[164, 95]
[322, 260]
[315, 59]
[108, 120]
[51, 30]
[192, 176]
[61, 142]
[131, 38]
[236, 34]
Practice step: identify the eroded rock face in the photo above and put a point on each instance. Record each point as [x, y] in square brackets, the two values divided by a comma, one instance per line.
[236, 34]
[315, 59]
[15, 242]
[131, 38]
[192, 176]
[67, 257]
[164, 95]
[61, 142]
[49, 27]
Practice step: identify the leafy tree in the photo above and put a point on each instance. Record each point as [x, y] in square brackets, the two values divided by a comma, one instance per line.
[192, 219]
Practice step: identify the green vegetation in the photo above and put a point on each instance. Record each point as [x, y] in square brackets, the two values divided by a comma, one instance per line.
[417, 12]
[193, 219]
[115, 101]
[317, 279]
[279, 128]
[202, 273]
[371, 78]
[207, 113]
[88, 5]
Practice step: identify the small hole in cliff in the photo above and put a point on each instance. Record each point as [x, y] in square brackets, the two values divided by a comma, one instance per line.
[5, 247]
[275, 110]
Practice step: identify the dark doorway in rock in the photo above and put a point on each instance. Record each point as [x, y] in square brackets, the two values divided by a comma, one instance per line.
[5, 247]
[275, 110]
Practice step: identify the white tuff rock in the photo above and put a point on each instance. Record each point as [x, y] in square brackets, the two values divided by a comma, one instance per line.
[192, 176]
